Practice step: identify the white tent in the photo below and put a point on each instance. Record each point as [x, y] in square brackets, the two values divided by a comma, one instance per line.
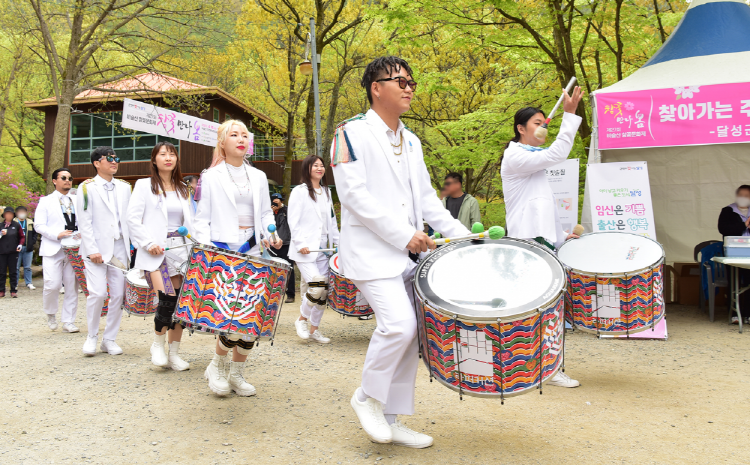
[690, 184]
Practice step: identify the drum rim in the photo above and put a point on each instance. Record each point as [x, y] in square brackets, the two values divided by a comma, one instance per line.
[624, 274]
[532, 309]
[247, 257]
[496, 395]
[330, 268]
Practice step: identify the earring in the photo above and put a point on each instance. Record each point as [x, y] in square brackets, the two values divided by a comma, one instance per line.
[378, 97]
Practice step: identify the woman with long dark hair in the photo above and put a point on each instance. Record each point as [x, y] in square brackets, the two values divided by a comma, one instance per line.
[159, 205]
[313, 224]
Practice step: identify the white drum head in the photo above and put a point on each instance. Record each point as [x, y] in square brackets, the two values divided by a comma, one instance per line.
[610, 253]
[333, 264]
[136, 278]
[70, 241]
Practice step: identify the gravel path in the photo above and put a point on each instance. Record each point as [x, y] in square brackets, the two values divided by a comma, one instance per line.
[686, 400]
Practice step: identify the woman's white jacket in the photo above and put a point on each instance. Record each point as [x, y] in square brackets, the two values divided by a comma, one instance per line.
[306, 223]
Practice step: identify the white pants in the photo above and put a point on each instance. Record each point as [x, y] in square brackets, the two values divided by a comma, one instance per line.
[58, 271]
[308, 271]
[98, 275]
[390, 371]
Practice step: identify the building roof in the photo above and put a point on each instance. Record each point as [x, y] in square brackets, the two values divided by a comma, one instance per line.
[152, 85]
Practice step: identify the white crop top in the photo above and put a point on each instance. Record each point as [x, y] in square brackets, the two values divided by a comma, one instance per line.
[174, 211]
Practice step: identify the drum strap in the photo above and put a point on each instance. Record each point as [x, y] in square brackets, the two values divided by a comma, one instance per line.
[544, 242]
[313, 300]
[322, 284]
[164, 272]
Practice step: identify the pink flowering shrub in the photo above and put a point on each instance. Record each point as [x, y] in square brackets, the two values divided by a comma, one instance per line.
[14, 192]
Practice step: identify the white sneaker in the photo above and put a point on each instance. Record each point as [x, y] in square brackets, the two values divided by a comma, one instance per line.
[366, 317]
[735, 320]
[70, 328]
[563, 380]
[216, 374]
[158, 357]
[175, 362]
[62, 290]
[110, 347]
[31, 286]
[403, 436]
[318, 337]
[52, 322]
[89, 347]
[302, 330]
[237, 381]
[370, 414]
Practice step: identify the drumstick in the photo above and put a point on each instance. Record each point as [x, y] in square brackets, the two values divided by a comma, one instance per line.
[335, 249]
[476, 228]
[183, 231]
[272, 230]
[178, 246]
[495, 232]
[541, 131]
[124, 270]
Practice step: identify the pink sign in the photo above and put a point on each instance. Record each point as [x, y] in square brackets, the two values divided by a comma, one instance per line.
[694, 115]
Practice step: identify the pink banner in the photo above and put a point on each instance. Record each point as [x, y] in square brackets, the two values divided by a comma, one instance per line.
[694, 115]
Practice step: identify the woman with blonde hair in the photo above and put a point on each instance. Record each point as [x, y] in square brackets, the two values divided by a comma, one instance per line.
[233, 210]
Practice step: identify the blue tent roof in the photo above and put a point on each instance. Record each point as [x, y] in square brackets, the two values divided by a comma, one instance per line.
[708, 28]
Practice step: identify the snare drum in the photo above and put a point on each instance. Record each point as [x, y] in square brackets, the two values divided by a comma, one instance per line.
[71, 245]
[139, 298]
[226, 292]
[343, 295]
[490, 315]
[614, 282]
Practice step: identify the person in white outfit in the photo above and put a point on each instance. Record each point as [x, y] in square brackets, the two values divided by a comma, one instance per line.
[56, 220]
[159, 206]
[313, 225]
[234, 209]
[385, 192]
[101, 210]
[529, 202]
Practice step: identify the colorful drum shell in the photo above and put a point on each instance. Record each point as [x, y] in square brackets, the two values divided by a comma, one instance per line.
[71, 248]
[508, 357]
[343, 295]
[139, 298]
[640, 294]
[230, 293]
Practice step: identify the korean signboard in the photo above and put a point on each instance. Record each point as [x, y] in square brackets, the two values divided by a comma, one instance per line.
[621, 198]
[563, 179]
[694, 115]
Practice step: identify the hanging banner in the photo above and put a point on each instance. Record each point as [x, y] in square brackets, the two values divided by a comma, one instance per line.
[621, 198]
[563, 179]
[693, 115]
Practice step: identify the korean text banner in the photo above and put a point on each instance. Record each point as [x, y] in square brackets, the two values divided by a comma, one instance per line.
[621, 198]
[694, 115]
[563, 179]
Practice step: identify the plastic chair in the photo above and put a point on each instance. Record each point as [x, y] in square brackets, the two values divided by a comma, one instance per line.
[704, 283]
[697, 249]
[713, 275]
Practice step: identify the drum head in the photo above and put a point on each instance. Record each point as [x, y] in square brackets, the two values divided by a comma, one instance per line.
[135, 277]
[70, 241]
[333, 264]
[484, 280]
[610, 253]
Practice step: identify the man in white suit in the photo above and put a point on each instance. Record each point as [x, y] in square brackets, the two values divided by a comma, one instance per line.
[56, 220]
[102, 205]
[386, 192]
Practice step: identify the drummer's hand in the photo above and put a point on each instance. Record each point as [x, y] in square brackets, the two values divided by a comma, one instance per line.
[155, 250]
[96, 258]
[304, 250]
[65, 233]
[570, 102]
[420, 242]
[278, 244]
[572, 236]
[265, 243]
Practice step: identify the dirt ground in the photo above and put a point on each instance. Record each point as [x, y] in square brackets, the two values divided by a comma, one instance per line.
[681, 401]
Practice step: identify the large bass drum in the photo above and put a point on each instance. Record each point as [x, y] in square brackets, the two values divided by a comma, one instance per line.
[490, 315]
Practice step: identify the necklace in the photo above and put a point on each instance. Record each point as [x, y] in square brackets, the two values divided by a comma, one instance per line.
[399, 146]
[244, 186]
[318, 192]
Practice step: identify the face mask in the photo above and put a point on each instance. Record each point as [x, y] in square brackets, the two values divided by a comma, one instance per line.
[21, 216]
[743, 202]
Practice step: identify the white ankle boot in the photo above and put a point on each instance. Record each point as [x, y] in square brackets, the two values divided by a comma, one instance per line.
[216, 374]
[175, 361]
[237, 381]
[158, 357]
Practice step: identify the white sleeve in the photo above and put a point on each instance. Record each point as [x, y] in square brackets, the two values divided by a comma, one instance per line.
[85, 225]
[528, 162]
[296, 209]
[41, 219]
[202, 219]
[139, 234]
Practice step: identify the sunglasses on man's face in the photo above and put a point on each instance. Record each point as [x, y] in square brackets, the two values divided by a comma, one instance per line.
[110, 158]
[65, 178]
[402, 82]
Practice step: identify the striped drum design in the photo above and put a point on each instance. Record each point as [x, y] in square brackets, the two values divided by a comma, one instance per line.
[71, 247]
[343, 295]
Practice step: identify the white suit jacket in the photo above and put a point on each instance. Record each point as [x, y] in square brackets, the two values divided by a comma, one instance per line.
[306, 224]
[97, 217]
[147, 223]
[216, 218]
[529, 201]
[375, 225]
[49, 222]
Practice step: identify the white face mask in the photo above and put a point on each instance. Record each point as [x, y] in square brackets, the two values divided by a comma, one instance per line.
[743, 202]
[21, 216]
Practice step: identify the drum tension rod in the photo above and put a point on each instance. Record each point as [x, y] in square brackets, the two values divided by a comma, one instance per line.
[541, 347]
[502, 367]
[457, 356]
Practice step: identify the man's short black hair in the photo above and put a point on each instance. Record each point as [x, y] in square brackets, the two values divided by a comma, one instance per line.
[58, 171]
[382, 67]
[100, 152]
[456, 176]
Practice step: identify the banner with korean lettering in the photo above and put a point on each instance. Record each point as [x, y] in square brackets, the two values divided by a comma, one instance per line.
[693, 115]
[621, 198]
[563, 179]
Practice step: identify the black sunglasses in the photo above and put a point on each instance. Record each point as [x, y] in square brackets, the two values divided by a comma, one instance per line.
[65, 178]
[402, 82]
[110, 158]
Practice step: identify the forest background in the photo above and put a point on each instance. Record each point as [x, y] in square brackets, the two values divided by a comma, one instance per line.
[476, 63]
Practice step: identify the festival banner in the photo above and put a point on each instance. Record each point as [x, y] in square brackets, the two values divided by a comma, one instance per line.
[694, 115]
[621, 198]
[563, 179]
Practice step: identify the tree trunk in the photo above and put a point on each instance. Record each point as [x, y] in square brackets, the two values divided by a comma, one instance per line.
[288, 157]
[60, 137]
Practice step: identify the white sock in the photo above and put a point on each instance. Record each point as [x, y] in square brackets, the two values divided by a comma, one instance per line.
[391, 419]
[361, 396]
[51, 318]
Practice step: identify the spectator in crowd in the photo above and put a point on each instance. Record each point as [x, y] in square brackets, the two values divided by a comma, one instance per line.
[734, 220]
[11, 242]
[285, 234]
[462, 206]
[26, 254]
[191, 181]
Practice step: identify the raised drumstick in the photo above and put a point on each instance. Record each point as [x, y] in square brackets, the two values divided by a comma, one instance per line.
[495, 232]
[541, 131]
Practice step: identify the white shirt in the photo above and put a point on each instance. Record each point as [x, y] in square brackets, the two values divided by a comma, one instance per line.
[109, 188]
[67, 203]
[321, 201]
[243, 195]
[397, 138]
[174, 211]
